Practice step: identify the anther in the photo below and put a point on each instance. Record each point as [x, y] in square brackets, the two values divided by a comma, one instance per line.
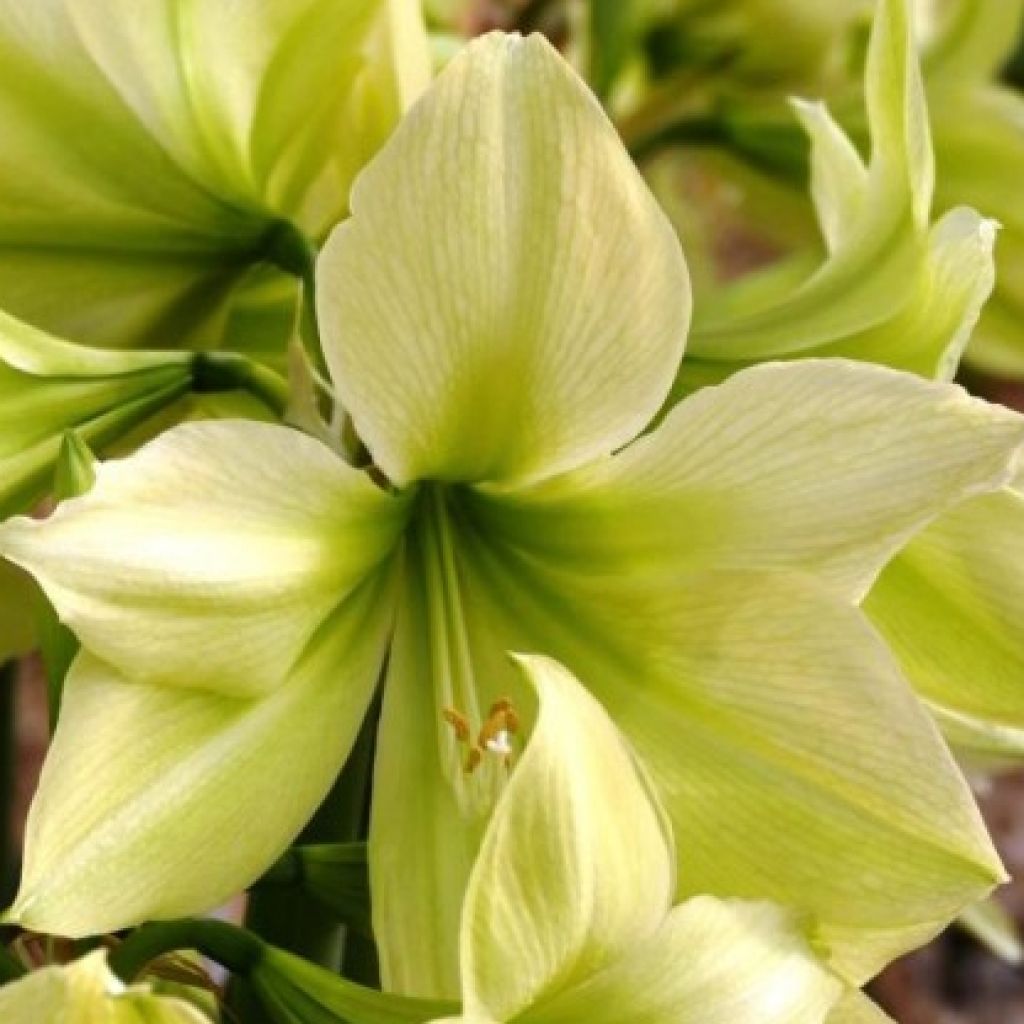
[459, 723]
[495, 736]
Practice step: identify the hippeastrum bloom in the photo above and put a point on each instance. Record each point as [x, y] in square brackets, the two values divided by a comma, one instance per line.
[569, 912]
[86, 992]
[893, 288]
[151, 151]
[979, 148]
[503, 313]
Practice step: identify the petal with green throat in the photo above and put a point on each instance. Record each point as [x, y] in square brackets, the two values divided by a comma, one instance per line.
[779, 732]
[504, 245]
[211, 556]
[825, 466]
[190, 795]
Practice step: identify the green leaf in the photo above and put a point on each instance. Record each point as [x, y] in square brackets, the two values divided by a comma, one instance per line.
[298, 992]
[336, 874]
[613, 30]
[479, 263]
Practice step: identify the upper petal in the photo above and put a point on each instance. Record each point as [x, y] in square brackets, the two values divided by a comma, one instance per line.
[217, 88]
[576, 866]
[507, 300]
[210, 557]
[826, 466]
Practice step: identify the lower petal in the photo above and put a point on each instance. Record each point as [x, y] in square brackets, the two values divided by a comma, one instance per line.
[712, 962]
[794, 760]
[190, 794]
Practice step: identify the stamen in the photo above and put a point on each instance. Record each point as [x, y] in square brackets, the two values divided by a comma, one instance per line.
[495, 736]
[459, 723]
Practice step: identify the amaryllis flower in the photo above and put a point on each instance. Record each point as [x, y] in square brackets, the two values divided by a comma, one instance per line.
[503, 317]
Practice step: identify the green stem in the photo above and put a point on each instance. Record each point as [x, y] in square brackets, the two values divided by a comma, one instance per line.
[234, 948]
[287, 248]
[291, 919]
[11, 968]
[224, 371]
[8, 768]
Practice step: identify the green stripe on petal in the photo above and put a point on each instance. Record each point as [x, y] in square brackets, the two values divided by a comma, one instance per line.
[503, 246]
[440, 659]
[216, 530]
[157, 801]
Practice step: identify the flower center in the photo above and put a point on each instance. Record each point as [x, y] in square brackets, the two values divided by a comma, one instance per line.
[495, 735]
[471, 766]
